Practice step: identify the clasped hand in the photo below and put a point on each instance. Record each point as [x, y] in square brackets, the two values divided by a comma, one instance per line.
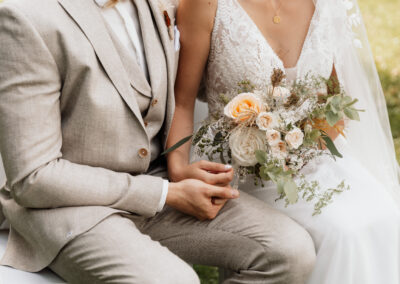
[201, 189]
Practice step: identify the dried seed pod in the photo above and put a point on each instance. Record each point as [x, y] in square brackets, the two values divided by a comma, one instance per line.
[277, 77]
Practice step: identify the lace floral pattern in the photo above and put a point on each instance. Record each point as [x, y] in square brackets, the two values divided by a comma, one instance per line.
[240, 52]
[353, 21]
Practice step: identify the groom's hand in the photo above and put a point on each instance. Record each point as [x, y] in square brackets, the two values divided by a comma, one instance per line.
[196, 198]
[206, 171]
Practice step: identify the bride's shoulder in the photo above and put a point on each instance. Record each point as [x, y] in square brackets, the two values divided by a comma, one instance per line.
[197, 13]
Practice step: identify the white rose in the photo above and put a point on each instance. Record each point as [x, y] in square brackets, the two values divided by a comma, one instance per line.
[244, 142]
[294, 138]
[266, 120]
[279, 151]
[273, 137]
[280, 93]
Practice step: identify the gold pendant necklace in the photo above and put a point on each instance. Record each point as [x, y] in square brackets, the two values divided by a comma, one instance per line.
[276, 19]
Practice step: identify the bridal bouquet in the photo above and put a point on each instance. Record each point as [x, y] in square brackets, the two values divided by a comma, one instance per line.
[272, 134]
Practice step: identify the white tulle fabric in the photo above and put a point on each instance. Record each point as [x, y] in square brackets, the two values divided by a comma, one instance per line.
[357, 237]
[357, 72]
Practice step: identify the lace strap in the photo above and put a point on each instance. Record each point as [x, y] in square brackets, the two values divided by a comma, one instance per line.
[220, 16]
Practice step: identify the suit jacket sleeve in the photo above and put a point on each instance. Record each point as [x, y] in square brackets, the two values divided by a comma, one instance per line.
[31, 138]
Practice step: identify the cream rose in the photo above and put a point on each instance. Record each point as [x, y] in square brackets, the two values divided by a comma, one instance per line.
[294, 138]
[279, 151]
[273, 137]
[244, 142]
[266, 120]
[280, 93]
[243, 106]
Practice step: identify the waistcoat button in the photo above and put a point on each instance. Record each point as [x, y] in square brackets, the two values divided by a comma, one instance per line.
[143, 153]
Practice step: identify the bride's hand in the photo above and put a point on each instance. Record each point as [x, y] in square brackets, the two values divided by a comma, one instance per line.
[333, 132]
[206, 171]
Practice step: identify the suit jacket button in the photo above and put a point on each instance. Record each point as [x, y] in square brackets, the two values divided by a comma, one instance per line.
[143, 153]
[146, 123]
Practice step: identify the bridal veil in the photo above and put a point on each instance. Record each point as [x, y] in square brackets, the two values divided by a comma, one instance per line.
[370, 140]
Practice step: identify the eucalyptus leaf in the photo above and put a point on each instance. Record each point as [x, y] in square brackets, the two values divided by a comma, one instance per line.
[330, 108]
[332, 118]
[177, 145]
[315, 134]
[349, 101]
[281, 185]
[352, 113]
[272, 176]
[261, 156]
[274, 173]
[263, 173]
[335, 104]
[307, 141]
[331, 146]
[291, 190]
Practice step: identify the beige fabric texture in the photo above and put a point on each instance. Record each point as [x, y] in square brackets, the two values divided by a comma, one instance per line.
[71, 130]
[257, 243]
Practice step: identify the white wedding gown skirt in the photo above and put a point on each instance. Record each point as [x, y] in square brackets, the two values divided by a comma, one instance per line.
[357, 236]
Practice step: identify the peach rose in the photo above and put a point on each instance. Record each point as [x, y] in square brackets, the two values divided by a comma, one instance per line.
[266, 120]
[294, 138]
[273, 137]
[243, 106]
[279, 151]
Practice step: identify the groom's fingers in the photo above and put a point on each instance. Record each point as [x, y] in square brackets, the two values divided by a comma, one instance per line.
[221, 178]
[214, 167]
[218, 201]
[223, 192]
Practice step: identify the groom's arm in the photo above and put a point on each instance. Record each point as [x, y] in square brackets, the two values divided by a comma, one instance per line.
[31, 138]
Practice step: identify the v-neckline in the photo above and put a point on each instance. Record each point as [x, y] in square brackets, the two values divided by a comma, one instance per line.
[253, 23]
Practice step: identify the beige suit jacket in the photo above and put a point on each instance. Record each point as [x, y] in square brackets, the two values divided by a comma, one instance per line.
[72, 137]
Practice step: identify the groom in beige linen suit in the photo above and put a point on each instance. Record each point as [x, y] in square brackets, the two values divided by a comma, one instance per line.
[81, 132]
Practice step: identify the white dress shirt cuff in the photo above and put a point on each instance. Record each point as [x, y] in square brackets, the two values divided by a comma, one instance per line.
[163, 195]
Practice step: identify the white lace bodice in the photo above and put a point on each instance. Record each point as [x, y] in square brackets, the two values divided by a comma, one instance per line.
[240, 52]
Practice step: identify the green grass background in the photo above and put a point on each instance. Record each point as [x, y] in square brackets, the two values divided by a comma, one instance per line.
[382, 18]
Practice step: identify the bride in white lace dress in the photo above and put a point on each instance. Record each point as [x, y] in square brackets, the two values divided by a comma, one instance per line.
[357, 237]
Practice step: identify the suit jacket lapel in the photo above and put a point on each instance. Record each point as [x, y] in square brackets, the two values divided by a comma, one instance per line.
[135, 73]
[86, 14]
[163, 32]
[154, 54]
[169, 51]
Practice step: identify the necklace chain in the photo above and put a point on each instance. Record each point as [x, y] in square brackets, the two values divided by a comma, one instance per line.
[276, 19]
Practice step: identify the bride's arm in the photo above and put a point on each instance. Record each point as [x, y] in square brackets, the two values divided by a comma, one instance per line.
[195, 19]
[334, 132]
